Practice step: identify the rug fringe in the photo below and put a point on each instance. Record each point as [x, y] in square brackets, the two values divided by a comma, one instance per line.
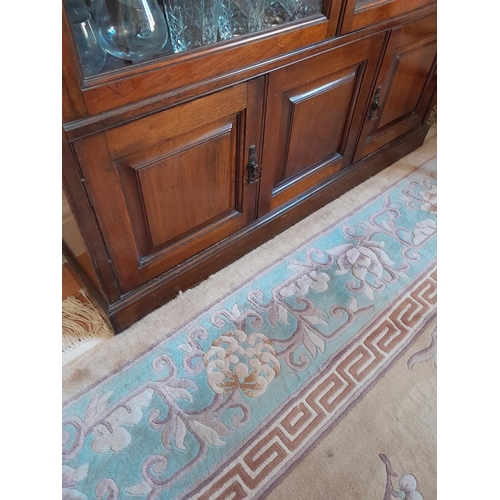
[80, 322]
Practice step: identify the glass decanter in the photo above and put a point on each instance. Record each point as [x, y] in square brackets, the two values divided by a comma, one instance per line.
[134, 30]
[192, 23]
[92, 56]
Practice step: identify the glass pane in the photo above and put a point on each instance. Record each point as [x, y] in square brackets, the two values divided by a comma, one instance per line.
[192, 23]
[111, 34]
[367, 4]
[279, 12]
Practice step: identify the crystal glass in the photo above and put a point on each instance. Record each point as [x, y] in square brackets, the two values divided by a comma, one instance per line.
[92, 56]
[240, 17]
[297, 9]
[134, 30]
[91, 7]
[192, 23]
[276, 13]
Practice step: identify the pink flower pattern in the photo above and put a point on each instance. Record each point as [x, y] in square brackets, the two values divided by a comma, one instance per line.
[367, 257]
[430, 198]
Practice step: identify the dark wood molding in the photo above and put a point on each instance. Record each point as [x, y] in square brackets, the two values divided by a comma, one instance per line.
[201, 87]
[212, 62]
[376, 12]
[89, 228]
[73, 103]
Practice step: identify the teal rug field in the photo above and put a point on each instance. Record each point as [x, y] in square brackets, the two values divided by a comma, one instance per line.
[224, 405]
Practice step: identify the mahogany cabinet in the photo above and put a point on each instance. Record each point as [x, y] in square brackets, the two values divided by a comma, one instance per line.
[360, 14]
[175, 167]
[404, 86]
[314, 109]
[170, 185]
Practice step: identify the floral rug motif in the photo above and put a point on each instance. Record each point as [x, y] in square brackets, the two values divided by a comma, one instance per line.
[221, 408]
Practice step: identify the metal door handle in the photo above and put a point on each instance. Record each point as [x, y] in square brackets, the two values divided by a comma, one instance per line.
[375, 105]
[253, 169]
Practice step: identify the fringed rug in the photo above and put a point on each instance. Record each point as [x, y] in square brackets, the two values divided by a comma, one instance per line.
[83, 327]
[306, 370]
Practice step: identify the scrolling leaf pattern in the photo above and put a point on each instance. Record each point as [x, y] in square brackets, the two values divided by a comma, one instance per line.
[243, 348]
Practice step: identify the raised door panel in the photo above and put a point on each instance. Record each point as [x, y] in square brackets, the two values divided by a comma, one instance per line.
[404, 86]
[411, 70]
[187, 183]
[307, 105]
[313, 112]
[362, 13]
[171, 185]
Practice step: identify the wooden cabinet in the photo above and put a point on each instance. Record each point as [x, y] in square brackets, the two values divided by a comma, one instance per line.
[177, 167]
[314, 109]
[360, 14]
[404, 86]
[168, 186]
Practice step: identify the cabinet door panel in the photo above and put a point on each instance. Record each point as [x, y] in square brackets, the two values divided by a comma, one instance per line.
[406, 82]
[362, 13]
[193, 178]
[313, 113]
[305, 106]
[180, 190]
[412, 69]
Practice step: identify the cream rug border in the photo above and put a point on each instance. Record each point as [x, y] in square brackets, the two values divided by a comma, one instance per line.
[279, 442]
[396, 417]
[110, 355]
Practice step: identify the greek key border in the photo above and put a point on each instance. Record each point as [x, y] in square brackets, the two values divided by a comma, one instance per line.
[342, 383]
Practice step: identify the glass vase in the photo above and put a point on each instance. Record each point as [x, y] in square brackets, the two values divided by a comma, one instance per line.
[192, 23]
[240, 17]
[134, 30]
[92, 56]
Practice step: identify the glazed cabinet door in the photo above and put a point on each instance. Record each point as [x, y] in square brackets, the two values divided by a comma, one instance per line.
[314, 109]
[362, 13]
[170, 185]
[404, 86]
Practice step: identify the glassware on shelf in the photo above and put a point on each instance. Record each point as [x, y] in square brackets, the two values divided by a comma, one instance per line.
[91, 6]
[276, 13]
[134, 30]
[192, 23]
[92, 56]
[240, 17]
[298, 9]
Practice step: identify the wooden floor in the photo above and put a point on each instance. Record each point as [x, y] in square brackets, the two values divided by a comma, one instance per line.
[71, 284]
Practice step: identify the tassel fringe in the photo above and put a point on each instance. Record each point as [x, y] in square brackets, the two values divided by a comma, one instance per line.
[81, 322]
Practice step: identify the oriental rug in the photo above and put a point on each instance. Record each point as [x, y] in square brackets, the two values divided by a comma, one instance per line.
[304, 370]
